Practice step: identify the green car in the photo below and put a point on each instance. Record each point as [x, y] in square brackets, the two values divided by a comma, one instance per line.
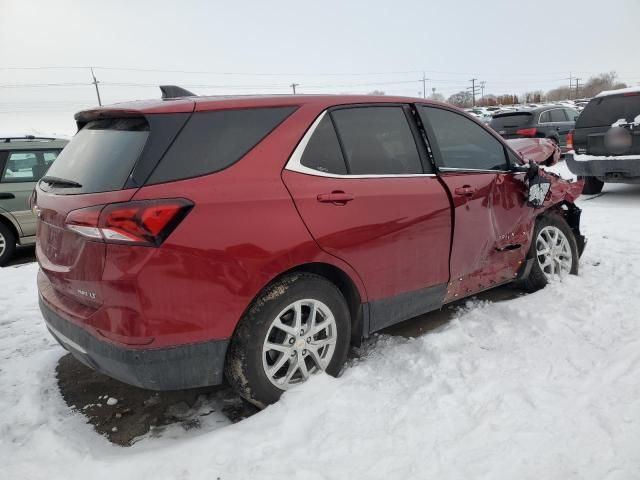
[23, 161]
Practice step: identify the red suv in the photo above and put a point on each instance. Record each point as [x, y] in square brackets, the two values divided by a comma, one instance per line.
[184, 240]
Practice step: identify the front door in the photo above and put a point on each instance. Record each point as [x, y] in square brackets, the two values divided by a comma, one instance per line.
[366, 198]
[488, 201]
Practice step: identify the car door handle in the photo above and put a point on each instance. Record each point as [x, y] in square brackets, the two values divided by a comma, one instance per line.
[337, 197]
[465, 190]
[6, 196]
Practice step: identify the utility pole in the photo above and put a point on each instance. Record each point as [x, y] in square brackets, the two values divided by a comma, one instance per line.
[424, 85]
[95, 84]
[570, 84]
[578, 87]
[473, 89]
[482, 84]
[293, 86]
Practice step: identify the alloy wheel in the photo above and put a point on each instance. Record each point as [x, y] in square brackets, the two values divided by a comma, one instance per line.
[553, 252]
[300, 342]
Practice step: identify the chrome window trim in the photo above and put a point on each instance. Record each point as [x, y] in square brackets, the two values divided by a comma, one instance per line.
[474, 170]
[294, 163]
[550, 110]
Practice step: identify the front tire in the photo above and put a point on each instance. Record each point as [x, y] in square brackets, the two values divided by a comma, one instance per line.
[7, 244]
[592, 186]
[553, 250]
[298, 326]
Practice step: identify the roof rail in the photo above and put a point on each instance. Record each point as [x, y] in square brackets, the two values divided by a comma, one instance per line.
[173, 91]
[26, 137]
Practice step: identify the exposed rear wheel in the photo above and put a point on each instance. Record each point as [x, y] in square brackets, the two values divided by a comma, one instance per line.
[592, 185]
[297, 327]
[7, 244]
[554, 252]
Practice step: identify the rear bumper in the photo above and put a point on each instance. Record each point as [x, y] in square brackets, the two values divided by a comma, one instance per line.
[174, 368]
[606, 168]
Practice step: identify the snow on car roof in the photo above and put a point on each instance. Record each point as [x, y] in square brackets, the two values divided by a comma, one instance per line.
[619, 91]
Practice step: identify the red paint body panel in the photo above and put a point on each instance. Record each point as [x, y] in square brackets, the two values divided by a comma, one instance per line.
[245, 230]
[395, 232]
[538, 150]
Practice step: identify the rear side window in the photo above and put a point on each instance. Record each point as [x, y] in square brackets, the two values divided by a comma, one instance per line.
[463, 143]
[27, 166]
[605, 111]
[212, 141]
[511, 120]
[101, 156]
[377, 140]
[545, 117]
[323, 151]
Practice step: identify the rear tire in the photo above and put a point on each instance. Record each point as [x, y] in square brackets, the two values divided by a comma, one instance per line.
[272, 351]
[592, 185]
[555, 228]
[7, 244]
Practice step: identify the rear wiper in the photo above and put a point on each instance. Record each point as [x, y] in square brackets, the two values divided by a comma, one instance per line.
[60, 182]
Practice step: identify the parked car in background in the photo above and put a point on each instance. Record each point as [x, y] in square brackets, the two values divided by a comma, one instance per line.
[550, 121]
[606, 140]
[258, 237]
[23, 161]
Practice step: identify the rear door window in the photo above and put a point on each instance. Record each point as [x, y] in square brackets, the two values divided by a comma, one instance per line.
[100, 157]
[323, 151]
[607, 110]
[27, 166]
[572, 115]
[463, 144]
[213, 141]
[558, 115]
[545, 117]
[377, 140]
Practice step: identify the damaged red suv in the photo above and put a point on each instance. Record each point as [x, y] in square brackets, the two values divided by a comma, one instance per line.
[186, 240]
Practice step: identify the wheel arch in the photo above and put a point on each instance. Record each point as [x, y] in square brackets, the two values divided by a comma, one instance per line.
[347, 286]
[10, 225]
[571, 214]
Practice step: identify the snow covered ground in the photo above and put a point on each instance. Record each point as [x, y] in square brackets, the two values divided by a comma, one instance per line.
[544, 386]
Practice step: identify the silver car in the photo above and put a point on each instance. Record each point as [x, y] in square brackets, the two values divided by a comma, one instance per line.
[23, 161]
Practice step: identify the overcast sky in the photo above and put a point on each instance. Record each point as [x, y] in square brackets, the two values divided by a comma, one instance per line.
[325, 46]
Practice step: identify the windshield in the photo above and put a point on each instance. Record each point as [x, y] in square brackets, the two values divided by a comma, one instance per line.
[101, 155]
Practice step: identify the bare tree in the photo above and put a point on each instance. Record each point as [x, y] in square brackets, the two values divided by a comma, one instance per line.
[461, 99]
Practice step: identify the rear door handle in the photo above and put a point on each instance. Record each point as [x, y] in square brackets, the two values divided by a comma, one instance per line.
[6, 196]
[337, 197]
[466, 191]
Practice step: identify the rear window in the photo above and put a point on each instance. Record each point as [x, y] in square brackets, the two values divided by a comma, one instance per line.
[509, 120]
[212, 141]
[605, 111]
[101, 156]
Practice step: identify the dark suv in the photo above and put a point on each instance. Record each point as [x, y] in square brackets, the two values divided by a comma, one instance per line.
[607, 140]
[551, 121]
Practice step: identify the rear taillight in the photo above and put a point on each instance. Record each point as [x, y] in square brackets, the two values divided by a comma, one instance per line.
[570, 140]
[145, 222]
[527, 132]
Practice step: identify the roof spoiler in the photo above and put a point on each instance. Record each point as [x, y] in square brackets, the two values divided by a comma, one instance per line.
[173, 91]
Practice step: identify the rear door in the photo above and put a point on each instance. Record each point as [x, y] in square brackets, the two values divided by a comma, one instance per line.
[597, 119]
[96, 165]
[474, 166]
[18, 175]
[508, 124]
[361, 184]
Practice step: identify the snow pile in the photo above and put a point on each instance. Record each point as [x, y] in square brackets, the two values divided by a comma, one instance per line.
[545, 386]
